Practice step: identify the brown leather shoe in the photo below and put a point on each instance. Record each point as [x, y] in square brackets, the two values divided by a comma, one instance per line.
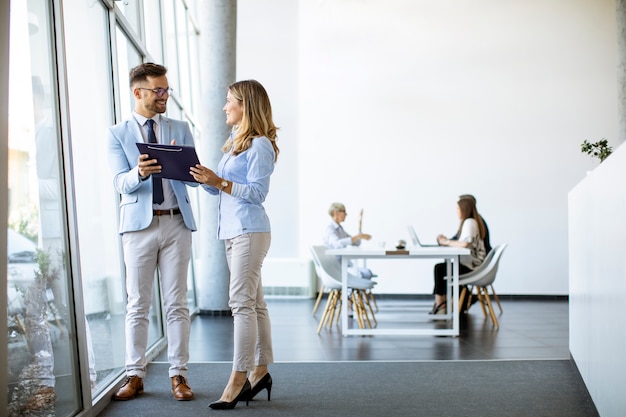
[181, 389]
[132, 387]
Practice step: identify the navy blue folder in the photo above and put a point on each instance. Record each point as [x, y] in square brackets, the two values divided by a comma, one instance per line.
[175, 160]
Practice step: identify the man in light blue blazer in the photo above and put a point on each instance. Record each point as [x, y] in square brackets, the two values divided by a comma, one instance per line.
[156, 222]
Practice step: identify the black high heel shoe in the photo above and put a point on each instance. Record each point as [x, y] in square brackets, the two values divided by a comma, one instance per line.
[264, 383]
[434, 309]
[439, 308]
[244, 394]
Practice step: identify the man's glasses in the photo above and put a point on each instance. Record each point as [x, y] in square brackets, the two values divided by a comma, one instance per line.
[160, 92]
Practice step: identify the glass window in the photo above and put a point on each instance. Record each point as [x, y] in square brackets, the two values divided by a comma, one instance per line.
[90, 91]
[42, 359]
[194, 71]
[127, 58]
[171, 47]
[154, 35]
[131, 11]
[184, 31]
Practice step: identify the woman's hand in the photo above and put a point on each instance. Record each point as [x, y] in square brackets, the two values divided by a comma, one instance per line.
[204, 175]
[442, 240]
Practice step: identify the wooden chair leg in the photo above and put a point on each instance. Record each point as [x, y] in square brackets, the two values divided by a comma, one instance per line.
[495, 296]
[364, 300]
[492, 313]
[481, 300]
[369, 306]
[338, 307]
[356, 309]
[325, 314]
[462, 299]
[333, 310]
[329, 310]
[470, 296]
[319, 298]
[373, 299]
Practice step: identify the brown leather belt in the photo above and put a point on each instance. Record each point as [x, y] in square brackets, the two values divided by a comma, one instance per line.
[169, 212]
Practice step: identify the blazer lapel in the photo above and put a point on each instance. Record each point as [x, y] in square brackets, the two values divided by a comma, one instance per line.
[135, 129]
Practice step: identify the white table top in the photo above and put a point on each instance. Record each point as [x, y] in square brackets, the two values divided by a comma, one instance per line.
[355, 251]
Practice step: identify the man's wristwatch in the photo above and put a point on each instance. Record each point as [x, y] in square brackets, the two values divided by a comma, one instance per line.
[223, 184]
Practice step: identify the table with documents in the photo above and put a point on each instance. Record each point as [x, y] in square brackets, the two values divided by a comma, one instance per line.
[447, 253]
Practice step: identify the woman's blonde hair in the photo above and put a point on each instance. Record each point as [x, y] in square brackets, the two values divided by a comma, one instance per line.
[256, 120]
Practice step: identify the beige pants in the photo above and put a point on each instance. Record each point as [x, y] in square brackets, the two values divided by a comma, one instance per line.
[166, 244]
[253, 333]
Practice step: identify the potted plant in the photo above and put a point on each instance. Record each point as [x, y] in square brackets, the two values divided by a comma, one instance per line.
[599, 149]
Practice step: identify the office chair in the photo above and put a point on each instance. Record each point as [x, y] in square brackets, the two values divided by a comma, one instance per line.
[329, 271]
[482, 279]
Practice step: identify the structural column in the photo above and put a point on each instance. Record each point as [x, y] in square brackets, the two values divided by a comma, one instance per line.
[621, 68]
[217, 20]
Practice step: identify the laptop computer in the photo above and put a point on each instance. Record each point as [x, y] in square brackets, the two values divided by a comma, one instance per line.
[416, 240]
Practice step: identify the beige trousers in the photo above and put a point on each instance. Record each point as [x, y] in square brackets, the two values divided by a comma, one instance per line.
[166, 244]
[253, 333]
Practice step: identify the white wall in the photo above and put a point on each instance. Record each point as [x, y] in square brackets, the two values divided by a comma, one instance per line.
[598, 282]
[399, 106]
[267, 51]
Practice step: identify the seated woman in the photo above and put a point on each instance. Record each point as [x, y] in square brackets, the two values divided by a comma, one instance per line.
[471, 234]
[335, 237]
[486, 239]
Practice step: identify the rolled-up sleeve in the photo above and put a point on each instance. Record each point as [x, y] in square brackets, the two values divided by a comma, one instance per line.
[260, 167]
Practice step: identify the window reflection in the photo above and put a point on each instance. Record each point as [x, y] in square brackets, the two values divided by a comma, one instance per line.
[41, 365]
[43, 374]
[89, 64]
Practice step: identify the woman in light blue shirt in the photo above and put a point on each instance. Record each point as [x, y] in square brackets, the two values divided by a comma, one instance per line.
[241, 183]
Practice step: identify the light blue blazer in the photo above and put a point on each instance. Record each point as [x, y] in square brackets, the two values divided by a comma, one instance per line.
[136, 195]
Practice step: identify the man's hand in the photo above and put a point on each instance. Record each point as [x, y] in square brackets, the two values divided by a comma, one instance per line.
[147, 166]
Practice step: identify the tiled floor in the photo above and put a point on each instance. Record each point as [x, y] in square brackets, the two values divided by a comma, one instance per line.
[530, 328]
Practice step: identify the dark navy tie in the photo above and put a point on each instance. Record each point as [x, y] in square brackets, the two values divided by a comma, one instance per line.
[157, 184]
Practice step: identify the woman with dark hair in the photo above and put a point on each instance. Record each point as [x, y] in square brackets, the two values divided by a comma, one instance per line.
[242, 183]
[471, 235]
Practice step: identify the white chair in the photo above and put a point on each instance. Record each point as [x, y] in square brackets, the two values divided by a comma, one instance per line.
[482, 279]
[464, 293]
[329, 271]
[322, 289]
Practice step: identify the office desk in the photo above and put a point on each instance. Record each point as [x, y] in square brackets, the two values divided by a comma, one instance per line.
[451, 256]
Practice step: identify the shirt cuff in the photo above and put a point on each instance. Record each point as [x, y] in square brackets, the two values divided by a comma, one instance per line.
[236, 190]
[346, 241]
